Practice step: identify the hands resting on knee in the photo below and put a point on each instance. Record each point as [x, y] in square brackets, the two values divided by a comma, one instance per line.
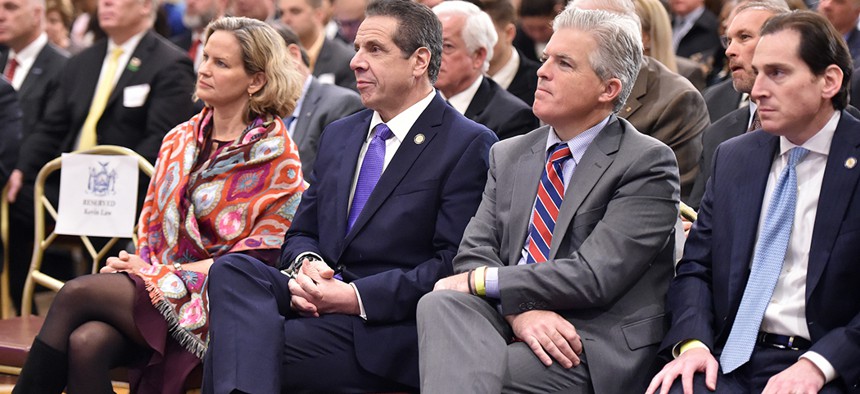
[803, 377]
[315, 291]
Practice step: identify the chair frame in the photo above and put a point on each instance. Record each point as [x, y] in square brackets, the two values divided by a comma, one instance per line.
[42, 242]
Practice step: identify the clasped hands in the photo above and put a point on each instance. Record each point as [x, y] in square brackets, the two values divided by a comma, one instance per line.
[124, 262]
[548, 334]
[315, 291]
[803, 377]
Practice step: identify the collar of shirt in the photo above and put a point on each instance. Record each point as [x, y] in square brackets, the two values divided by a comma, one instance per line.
[128, 48]
[26, 58]
[690, 18]
[577, 144]
[461, 101]
[314, 50]
[198, 56]
[819, 143]
[752, 108]
[402, 123]
[506, 74]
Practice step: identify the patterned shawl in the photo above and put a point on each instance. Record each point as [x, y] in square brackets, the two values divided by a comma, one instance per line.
[241, 198]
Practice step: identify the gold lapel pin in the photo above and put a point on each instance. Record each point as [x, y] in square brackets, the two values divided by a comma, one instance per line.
[419, 139]
[850, 162]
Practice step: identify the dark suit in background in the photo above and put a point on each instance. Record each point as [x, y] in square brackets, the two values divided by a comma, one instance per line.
[322, 104]
[501, 111]
[402, 242]
[668, 107]
[39, 84]
[334, 58]
[722, 99]
[705, 294]
[732, 125]
[525, 80]
[164, 68]
[10, 129]
[702, 41]
[853, 41]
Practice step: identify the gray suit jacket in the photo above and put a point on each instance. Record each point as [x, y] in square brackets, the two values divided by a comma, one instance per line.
[322, 105]
[611, 255]
[334, 59]
[668, 107]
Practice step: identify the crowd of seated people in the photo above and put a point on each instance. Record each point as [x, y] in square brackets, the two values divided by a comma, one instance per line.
[377, 188]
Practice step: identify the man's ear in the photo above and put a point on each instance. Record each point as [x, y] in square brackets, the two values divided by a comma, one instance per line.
[832, 79]
[422, 62]
[611, 90]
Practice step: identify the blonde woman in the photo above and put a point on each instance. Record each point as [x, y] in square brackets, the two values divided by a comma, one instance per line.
[226, 181]
[657, 41]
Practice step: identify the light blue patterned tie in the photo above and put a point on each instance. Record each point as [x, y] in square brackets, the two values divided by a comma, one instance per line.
[767, 264]
[371, 170]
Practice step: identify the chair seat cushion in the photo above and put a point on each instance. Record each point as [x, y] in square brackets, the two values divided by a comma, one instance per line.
[16, 336]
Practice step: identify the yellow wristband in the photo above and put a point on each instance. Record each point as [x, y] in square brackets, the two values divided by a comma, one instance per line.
[480, 281]
[691, 344]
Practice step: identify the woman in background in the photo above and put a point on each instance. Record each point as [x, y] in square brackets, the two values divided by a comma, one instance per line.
[227, 181]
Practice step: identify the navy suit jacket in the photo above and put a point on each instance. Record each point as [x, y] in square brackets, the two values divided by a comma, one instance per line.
[501, 111]
[721, 99]
[710, 281]
[406, 236]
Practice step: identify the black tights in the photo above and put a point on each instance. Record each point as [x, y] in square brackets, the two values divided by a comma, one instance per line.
[92, 320]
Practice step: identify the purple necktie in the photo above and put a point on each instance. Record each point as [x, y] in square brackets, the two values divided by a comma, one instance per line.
[371, 170]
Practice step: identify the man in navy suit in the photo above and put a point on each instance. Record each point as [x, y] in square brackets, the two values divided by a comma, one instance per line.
[346, 321]
[792, 184]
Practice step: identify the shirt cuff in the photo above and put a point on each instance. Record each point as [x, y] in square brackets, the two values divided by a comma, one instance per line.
[307, 254]
[491, 282]
[361, 313]
[822, 364]
[688, 344]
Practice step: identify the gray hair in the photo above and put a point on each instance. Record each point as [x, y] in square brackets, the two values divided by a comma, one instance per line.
[619, 45]
[478, 29]
[775, 7]
[623, 7]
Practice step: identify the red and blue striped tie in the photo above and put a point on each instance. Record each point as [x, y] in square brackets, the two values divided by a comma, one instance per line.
[549, 196]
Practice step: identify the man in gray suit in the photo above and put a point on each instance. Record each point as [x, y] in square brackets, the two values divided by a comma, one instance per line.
[562, 273]
[319, 104]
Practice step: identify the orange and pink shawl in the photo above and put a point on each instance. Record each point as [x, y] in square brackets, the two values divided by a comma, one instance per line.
[242, 197]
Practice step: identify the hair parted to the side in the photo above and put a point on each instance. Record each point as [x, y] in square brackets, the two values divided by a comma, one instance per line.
[478, 29]
[417, 27]
[820, 46]
[263, 50]
[619, 45]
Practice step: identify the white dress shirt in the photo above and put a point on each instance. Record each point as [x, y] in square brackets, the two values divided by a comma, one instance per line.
[25, 59]
[786, 312]
[461, 101]
[506, 74]
[399, 126]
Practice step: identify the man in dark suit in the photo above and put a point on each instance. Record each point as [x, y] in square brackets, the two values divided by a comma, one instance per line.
[721, 99]
[535, 26]
[508, 67]
[319, 104]
[36, 61]
[844, 15]
[694, 31]
[743, 35]
[329, 58]
[551, 258]
[768, 282]
[148, 94]
[387, 243]
[10, 129]
[469, 37]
